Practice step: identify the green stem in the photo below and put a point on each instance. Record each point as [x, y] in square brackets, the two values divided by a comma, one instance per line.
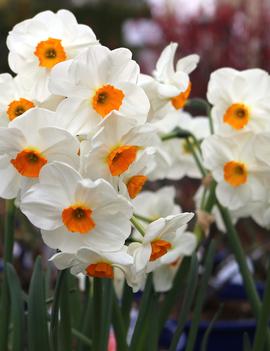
[142, 218]
[97, 307]
[198, 103]
[261, 329]
[9, 230]
[196, 159]
[137, 226]
[81, 337]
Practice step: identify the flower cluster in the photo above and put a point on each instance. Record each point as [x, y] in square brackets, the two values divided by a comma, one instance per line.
[237, 152]
[81, 133]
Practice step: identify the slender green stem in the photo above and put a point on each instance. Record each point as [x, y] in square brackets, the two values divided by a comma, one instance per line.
[261, 329]
[198, 103]
[97, 307]
[143, 218]
[81, 337]
[196, 159]
[137, 225]
[9, 230]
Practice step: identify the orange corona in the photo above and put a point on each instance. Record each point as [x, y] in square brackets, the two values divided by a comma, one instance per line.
[135, 185]
[29, 162]
[50, 52]
[179, 101]
[77, 218]
[120, 158]
[107, 99]
[237, 116]
[100, 270]
[235, 173]
[159, 248]
[18, 107]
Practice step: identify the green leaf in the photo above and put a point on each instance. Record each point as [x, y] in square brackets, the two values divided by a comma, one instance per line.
[209, 329]
[175, 293]
[4, 313]
[141, 323]
[201, 292]
[87, 320]
[119, 326]
[187, 302]
[107, 300]
[126, 305]
[246, 342]
[38, 338]
[17, 308]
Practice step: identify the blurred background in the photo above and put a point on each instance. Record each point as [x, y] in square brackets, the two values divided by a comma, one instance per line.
[231, 33]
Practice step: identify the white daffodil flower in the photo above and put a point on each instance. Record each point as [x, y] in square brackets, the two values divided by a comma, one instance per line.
[158, 240]
[115, 147]
[74, 212]
[15, 99]
[96, 83]
[93, 263]
[31, 141]
[240, 100]
[169, 88]
[36, 45]
[240, 177]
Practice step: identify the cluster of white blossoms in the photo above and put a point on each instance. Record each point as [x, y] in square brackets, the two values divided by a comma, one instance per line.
[80, 134]
[237, 154]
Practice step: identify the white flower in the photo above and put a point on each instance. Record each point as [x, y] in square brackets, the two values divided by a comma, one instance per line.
[74, 212]
[155, 205]
[15, 99]
[96, 83]
[158, 240]
[240, 177]
[115, 147]
[240, 100]
[170, 88]
[31, 141]
[182, 160]
[93, 263]
[39, 43]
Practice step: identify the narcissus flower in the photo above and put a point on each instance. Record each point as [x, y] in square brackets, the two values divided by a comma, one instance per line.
[93, 263]
[74, 212]
[115, 147]
[30, 142]
[96, 83]
[36, 45]
[180, 150]
[240, 177]
[15, 99]
[158, 240]
[240, 100]
[169, 89]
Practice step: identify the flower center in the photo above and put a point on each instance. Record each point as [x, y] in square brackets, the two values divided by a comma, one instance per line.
[235, 173]
[18, 107]
[29, 162]
[100, 270]
[50, 52]
[237, 116]
[107, 99]
[77, 218]
[159, 248]
[120, 158]
[135, 185]
[180, 100]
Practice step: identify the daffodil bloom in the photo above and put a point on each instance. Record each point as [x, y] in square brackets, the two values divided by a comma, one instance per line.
[240, 100]
[15, 99]
[115, 147]
[30, 142]
[96, 83]
[158, 240]
[169, 88]
[240, 177]
[93, 263]
[74, 212]
[36, 45]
